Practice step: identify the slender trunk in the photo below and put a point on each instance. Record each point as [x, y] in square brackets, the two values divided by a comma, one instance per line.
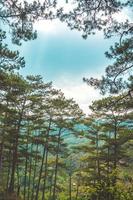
[70, 187]
[2, 146]
[18, 182]
[45, 175]
[115, 159]
[98, 163]
[108, 169]
[115, 146]
[15, 150]
[40, 174]
[108, 158]
[14, 161]
[51, 184]
[1, 152]
[9, 169]
[97, 150]
[56, 166]
[2, 139]
[30, 169]
[43, 158]
[34, 173]
[26, 166]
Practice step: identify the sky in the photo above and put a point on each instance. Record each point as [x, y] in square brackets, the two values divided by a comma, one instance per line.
[64, 57]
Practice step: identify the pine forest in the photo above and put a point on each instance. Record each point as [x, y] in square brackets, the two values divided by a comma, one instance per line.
[50, 149]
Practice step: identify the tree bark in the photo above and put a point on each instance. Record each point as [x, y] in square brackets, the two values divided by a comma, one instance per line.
[43, 158]
[70, 187]
[56, 166]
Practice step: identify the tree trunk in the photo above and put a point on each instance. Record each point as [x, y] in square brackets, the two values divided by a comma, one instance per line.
[26, 167]
[30, 170]
[18, 182]
[56, 166]
[9, 169]
[70, 187]
[15, 150]
[34, 174]
[40, 174]
[51, 184]
[45, 174]
[43, 158]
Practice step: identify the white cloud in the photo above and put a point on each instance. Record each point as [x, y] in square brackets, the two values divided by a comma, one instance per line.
[75, 88]
[122, 16]
[47, 26]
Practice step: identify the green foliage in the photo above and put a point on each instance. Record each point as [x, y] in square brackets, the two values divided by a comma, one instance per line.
[36, 160]
[20, 17]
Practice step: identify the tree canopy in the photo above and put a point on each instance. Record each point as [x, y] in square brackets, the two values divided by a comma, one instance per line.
[49, 149]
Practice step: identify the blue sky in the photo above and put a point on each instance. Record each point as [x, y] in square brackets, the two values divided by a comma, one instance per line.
[64, 51]
[64, 57]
